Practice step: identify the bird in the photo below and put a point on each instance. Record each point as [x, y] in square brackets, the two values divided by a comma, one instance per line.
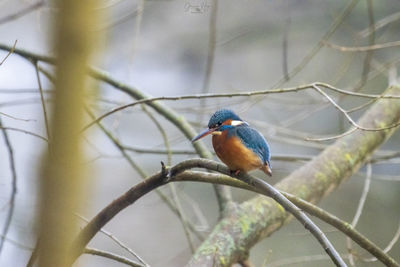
[238, 145]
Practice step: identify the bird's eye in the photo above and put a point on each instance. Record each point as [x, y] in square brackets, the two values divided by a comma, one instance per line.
[219, 123]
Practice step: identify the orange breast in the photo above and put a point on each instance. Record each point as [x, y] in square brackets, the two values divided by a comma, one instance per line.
[234, 153]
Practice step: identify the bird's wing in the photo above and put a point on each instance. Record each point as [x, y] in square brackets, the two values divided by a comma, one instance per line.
[254, 140]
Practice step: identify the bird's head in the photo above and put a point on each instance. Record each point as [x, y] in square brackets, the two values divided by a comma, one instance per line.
[220, 121]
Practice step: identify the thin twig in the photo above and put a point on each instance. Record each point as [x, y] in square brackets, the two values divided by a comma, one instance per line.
[370, 53]
[15, 118]
[138, 25]
[117, 241]
[25, 132]
[9, 52]
[143, 175]
[212, 40]
[344, 227]
[360, 208]
[285, 43]
[363, 48]
[385, 157]
[13, 171]
[181, 213]
[106, 78]
[21, 91]
[280, 157]
[293, 89]
[315, 86]
[363, 195]
[111, 256]
[380, 24]
[366, 104]
[163, 134]
[22, 12]
[348, 116]
[389, 246]
[121, 19]
[310, 55]
[17, 244]
[298, 260]
[46, 120]
[344, 68]
[34, 254]
[117, 143]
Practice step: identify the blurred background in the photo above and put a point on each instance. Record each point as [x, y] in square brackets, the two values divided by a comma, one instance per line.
[172, 48]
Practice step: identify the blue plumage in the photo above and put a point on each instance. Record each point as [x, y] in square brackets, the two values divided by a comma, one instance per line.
[220, 116]
[253, 140]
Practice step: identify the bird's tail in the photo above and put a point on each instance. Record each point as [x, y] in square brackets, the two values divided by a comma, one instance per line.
[267, 169]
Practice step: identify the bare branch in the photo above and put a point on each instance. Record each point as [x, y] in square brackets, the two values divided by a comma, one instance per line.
[370, 53]
[141, 172]
[117, 241]
[348, 116]
[15, 118]
[389, 246]
[360, 207]
[13, 171]
[9, 52]
[22, 12]
[112, 256]
[310, 55]
[380, 24]
[363, 48]
[301, 259]
[253, 93]
[344, 227]
[25, 132]
[285, 42]
[212, 40]
[46, 120]
[181, 213]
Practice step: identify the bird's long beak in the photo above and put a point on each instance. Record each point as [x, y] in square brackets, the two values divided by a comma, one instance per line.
[267, 169]
[205, 133]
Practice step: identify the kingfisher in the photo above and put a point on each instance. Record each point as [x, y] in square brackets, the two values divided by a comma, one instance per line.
[241, 147]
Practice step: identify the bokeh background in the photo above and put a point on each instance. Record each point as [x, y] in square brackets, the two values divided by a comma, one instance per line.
[161, 48]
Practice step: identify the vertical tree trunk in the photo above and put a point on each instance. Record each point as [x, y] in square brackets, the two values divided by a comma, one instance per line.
[62, 176]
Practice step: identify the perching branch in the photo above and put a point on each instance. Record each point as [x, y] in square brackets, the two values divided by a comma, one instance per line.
[165, 176]
[268, 190]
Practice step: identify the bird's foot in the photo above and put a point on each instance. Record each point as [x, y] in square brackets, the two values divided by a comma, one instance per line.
[234, 172]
